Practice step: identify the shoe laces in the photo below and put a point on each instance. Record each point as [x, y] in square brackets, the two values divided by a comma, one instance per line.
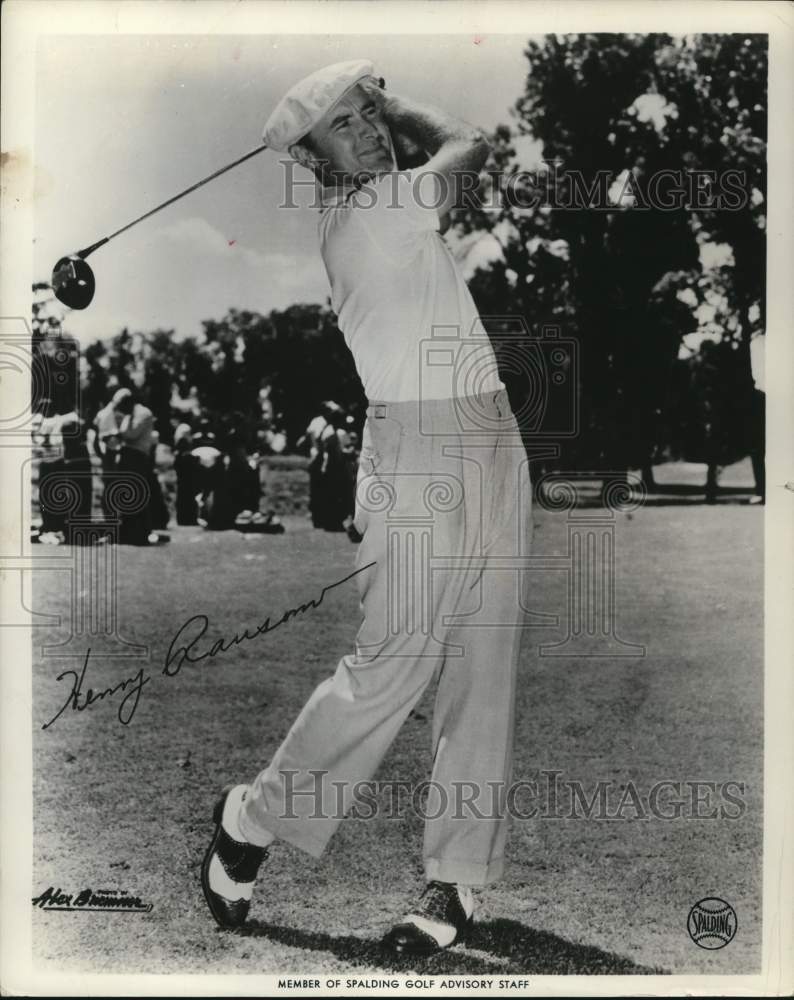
[437, 900]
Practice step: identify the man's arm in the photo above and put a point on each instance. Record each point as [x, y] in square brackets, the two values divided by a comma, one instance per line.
[458, 151]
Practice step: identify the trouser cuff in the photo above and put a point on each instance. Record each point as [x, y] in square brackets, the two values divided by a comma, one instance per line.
[292, 832]
[462, 871]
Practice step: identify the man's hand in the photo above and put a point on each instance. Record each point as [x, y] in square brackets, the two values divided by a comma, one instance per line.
[457, 150]
[408, 152]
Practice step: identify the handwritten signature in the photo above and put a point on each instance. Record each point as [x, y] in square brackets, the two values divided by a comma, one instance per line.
[181, 650]
[127, 705]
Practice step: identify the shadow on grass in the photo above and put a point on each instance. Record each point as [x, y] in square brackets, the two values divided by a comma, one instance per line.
[687, 494]
[696, 499]
[697, 489]
[693, 501]
[512, 947]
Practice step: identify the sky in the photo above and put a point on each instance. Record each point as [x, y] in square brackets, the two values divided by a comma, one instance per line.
[125, 122]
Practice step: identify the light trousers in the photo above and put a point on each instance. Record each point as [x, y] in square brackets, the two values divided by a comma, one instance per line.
[443, 501]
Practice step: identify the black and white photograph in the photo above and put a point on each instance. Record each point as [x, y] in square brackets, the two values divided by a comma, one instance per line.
[396, 420]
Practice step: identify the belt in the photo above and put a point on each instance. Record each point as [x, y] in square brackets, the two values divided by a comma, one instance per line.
[380, 411]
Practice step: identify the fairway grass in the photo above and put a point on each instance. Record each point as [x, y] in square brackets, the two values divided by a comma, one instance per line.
[129, 807]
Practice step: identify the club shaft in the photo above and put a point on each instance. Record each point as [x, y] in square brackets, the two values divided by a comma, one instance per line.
[176, 197]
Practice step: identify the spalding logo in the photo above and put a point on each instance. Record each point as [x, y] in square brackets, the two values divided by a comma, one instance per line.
[712, 923]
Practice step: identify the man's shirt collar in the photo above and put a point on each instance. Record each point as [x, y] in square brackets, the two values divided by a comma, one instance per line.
[331, 196]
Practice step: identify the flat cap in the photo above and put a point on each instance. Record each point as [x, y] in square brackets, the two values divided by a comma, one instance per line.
[304, 105]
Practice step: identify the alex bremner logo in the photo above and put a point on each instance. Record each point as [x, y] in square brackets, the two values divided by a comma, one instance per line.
[107, 900]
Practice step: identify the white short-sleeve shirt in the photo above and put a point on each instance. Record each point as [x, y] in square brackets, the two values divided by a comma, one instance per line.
[401, 301]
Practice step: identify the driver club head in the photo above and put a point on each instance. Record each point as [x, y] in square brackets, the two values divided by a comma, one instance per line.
[73, 282]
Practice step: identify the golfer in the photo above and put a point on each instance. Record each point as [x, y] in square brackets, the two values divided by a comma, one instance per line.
[442, 477]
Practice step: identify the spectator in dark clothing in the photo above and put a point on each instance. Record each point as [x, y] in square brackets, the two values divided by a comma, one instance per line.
[136, 427]
[47, 448]
[64, 473]
[186, 469]
[336, 498]
[242, 482]
[76, 468]
[107, 445]
[160, 515]
[311, 440]
[210, 480]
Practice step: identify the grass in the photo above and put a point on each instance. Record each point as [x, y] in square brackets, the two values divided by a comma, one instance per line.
[129, 806]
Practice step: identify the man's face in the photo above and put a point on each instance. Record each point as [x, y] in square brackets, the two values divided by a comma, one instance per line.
[353, 138]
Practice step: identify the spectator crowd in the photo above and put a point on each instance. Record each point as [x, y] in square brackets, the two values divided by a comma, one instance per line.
[218, 471]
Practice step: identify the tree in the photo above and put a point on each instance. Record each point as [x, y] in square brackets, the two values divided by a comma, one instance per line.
[613, 112]
[295, 358]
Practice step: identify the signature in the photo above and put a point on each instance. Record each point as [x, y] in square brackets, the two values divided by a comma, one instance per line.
[198, 624]
[181, 650]
[109, 900]
[127, 705]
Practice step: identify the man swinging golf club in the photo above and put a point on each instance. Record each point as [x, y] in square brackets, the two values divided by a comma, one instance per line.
[438, 454]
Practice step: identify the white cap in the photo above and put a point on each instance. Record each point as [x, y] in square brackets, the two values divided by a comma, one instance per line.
[308, 101]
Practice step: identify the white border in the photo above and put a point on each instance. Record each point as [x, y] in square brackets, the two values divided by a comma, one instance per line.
[22, 22]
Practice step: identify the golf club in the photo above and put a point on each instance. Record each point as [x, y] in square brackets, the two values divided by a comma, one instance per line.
[72, 278]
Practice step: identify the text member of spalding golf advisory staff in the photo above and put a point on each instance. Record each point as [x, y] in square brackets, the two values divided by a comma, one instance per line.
[393, 279]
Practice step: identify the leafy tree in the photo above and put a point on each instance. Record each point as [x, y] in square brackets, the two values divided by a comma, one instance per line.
[613, 112]
[294, 358]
